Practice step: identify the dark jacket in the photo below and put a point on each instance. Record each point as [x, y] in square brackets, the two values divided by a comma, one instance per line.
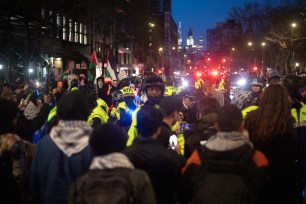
[110, 173]
[162, 165]
[13, 171]
[26, 128]
[53, 171]
[165, 134]
[222, 152]
[205, 128]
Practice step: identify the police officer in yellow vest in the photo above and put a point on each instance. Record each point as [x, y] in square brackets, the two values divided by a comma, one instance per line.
[169, 89]
[98, 115]
[198, 83]
[124, 106]
[294, 85]
[153, 87]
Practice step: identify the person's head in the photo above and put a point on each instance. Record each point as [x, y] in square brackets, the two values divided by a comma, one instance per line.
[149, 121]
[100, 82]
[229, 118]
[153, 86]
[5, 87]
[293, 83]
[170, 107]
[273, 115]
[8, 115]
[256, 85]
[74, 83]
[124, 82]
[209, 86]
[106, 139]
[188, 96]
[208, 105]
[73, 106]
[115, 83]
[133, 86]
[91, 92]
[274, 79]
[18, 89]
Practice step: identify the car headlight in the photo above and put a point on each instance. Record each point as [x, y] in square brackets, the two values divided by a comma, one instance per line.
[185, 83]
[241, 82]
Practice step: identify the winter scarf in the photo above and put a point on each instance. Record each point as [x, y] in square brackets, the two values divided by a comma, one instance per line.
[224, 141]
[71, 136]
[111, 161]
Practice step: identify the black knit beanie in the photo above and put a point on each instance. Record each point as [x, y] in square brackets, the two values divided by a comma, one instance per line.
[106, 139]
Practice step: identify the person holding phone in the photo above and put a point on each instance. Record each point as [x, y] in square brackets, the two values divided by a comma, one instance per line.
[162, 164]
[169, 107]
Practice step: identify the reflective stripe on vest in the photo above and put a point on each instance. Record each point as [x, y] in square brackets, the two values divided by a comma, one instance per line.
[52, 113]
[247, 110]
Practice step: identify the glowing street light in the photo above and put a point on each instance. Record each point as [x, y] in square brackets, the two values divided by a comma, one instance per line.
[293, 25]
[250, 43]
[1, 66]
[30, 71]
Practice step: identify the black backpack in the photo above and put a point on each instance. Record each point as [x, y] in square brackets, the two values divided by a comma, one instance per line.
[109, 186]
[221, 185]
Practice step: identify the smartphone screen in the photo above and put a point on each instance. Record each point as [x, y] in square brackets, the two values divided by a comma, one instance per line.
[173, 141]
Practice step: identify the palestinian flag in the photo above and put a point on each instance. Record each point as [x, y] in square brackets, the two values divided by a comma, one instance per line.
[92, 67]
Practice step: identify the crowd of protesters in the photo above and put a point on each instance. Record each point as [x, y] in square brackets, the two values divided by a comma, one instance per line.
[152, 141]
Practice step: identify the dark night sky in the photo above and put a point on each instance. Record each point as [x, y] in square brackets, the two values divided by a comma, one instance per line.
[200, 15]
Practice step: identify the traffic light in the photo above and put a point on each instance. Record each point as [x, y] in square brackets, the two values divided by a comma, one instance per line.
[255, 69]
[223, 60]
[159, 71]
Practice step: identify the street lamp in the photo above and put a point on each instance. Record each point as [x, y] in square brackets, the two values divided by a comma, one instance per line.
[30, 72]
[250, 44]
[1, 66]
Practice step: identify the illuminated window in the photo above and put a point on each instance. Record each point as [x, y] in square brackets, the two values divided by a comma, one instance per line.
[70, 30]
[58, 20]
[64, 28]
[85, 35]
[76, 32]
[81, 33]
